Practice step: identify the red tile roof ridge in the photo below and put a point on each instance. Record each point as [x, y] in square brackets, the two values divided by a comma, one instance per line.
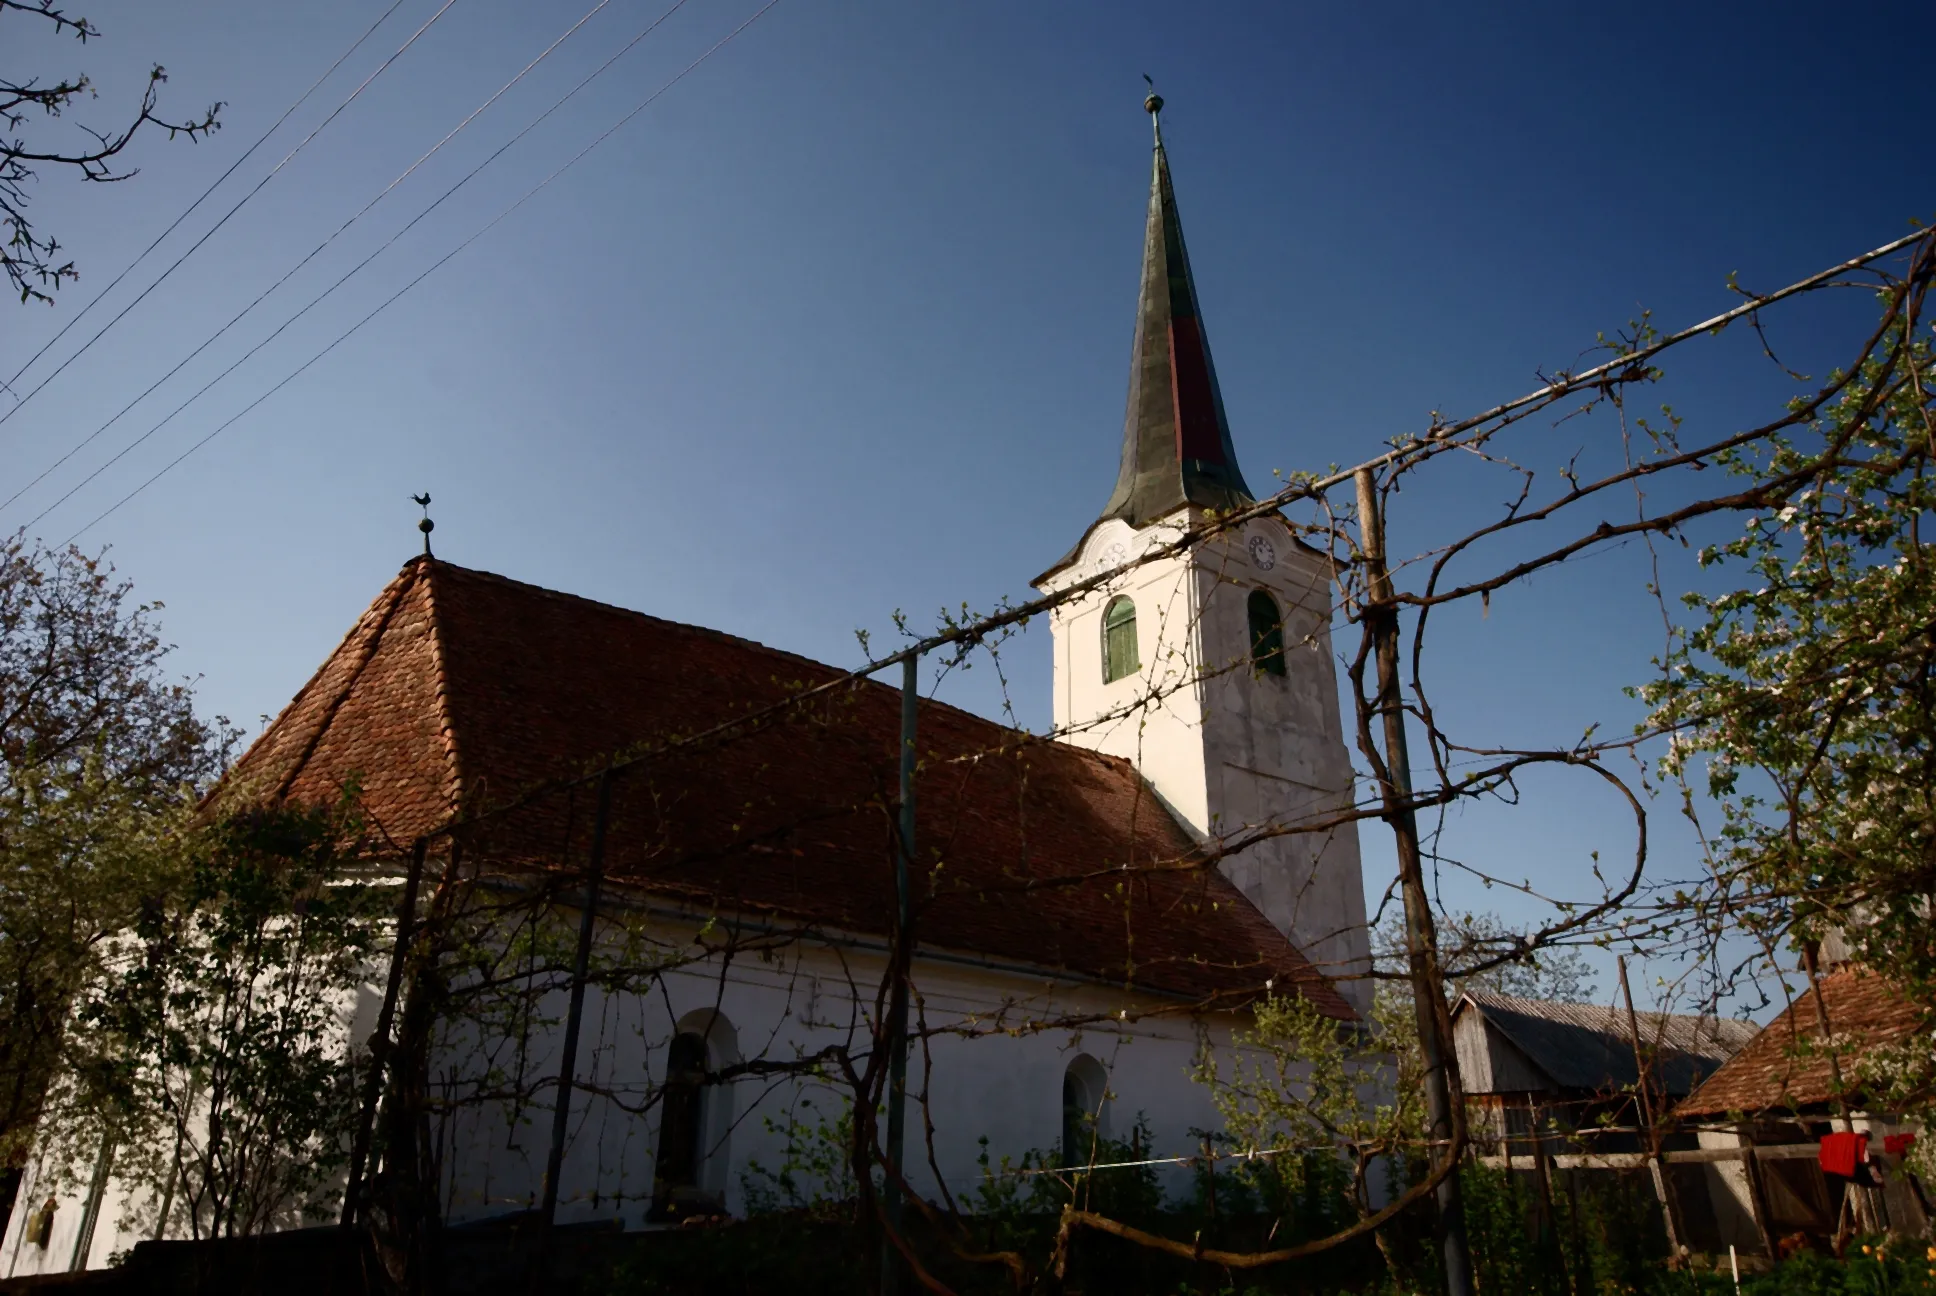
[440, 688]
[374, 619]
[929, 705]
[542, 683]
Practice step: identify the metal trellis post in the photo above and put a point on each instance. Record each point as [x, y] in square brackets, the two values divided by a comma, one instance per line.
[574, 1018]
[900, 968]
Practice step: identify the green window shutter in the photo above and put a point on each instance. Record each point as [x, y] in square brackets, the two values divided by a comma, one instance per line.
[1119, 640]
[1266, 635]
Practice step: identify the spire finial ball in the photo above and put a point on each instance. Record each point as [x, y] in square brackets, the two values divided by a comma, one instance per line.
[426, 526]
[1154, 104]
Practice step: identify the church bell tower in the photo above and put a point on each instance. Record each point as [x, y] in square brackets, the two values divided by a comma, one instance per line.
[1211, 670]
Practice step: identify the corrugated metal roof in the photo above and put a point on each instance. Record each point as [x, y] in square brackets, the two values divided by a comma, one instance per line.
[1588, 1047]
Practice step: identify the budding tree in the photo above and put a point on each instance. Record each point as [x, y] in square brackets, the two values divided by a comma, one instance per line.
[33, 262]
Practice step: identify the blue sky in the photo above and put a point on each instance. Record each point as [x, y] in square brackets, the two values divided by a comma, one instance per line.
[840, 324]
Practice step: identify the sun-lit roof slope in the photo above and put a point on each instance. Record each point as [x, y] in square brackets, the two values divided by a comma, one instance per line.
[463, 691]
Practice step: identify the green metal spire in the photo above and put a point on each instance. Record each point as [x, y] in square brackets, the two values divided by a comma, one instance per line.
[1176, 439]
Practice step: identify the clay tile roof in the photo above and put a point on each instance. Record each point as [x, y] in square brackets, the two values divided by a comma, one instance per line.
[1864, 1012]
[463, 691]
[1589, 1046]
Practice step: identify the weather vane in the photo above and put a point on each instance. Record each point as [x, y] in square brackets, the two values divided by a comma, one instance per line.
[1154, 102]
[426, 526]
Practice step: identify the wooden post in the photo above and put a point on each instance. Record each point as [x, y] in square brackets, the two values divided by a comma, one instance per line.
[1428, 989]
[1548, 1236]
[1757, 1191]
[1644, 1099]
[1580, 1272]
[405, 1231]
[575, 1015]
[380, 1037]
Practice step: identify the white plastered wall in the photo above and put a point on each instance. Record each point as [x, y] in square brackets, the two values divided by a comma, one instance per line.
[127, 1214]
[1006, 1088]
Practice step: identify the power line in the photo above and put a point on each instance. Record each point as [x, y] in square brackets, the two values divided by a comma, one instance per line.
[345, 278]
[1406, 451]
[317, 250]
[173, 225]
[176, 264]
[528, 194]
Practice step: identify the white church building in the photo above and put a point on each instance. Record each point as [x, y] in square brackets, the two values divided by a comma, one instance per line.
[1082, 934]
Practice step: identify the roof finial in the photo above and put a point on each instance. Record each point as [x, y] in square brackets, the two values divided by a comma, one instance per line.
[426, 526]
[1153, 105]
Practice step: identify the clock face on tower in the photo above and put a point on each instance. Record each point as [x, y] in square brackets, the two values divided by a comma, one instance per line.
[1262, 553]
[1113, 556]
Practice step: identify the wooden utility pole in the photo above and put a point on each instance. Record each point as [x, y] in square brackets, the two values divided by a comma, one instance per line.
[1428, 986]
[1644, 1098]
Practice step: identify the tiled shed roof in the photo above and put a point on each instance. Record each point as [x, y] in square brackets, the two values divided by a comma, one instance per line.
[1589, 1047]
[1784, 1067]
[461, 689]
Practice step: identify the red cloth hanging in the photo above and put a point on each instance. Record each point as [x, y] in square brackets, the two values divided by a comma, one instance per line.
[1841, 1153]
[1898, 1144]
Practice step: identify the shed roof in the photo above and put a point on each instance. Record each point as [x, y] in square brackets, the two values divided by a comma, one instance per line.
[1784, 1067]
[1588, 1048]
[462, 691]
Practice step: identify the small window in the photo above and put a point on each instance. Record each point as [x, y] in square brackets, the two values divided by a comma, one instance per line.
[1119, 656]
[1266, 635]
[681, 1126]
[1085, 1099]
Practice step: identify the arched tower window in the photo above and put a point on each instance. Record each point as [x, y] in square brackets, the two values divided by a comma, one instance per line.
[1085, 1099]
[682, 1127]
[1266, 635]
[1119, 657]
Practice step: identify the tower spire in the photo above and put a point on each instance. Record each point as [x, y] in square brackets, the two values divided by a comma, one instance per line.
[1176, 440]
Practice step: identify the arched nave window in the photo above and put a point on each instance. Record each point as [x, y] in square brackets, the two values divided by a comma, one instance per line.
[695, 1118]
[1085, 1109]
[682, 1125]
[1119, 656]
[1266, 635]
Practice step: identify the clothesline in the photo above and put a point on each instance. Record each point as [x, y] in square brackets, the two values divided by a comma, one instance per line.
[1255, 1154]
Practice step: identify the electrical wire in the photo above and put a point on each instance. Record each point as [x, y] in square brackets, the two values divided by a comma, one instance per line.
[316, 300]
[318, 249]
[528, 194]
[191, 209]
[176, 264]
